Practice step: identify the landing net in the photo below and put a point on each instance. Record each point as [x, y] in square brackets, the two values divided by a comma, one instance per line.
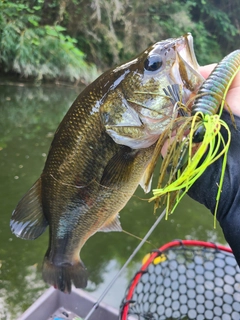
[185, 279]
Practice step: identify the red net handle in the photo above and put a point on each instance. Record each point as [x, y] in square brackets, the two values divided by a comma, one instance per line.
[175, 243]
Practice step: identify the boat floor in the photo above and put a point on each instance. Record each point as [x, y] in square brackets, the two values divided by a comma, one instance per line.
[56, 305]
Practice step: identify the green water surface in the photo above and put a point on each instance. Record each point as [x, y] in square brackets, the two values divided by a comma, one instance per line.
[29, 116]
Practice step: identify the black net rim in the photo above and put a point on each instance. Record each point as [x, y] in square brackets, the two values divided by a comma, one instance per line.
[156, 253]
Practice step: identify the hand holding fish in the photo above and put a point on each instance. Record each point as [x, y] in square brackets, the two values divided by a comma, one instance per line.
[204, 189]
[232, 99]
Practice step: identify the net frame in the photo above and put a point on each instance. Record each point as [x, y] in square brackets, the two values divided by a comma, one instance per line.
[128, 300]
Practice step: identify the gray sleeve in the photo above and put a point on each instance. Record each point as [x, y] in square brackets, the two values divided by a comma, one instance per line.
[205, 188]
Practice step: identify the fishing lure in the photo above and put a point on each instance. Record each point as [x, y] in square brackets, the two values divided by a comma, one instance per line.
[196, 133]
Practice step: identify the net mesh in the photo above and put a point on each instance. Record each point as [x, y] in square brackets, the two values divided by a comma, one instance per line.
[186, 283]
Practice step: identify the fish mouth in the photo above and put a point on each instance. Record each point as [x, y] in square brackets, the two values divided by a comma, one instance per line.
[186, 71]
[188, 54]
[185, 57]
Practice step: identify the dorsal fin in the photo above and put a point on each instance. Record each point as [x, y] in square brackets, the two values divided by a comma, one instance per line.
[28, 221]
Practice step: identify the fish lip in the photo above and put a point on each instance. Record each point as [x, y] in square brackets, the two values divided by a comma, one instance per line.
[186, 70]
[190, 49]
[187, 52]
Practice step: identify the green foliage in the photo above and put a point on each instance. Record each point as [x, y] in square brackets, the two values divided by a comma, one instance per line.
[206, 46]
[115, 30]
[217, 24]
[38, 51]
[47, 38]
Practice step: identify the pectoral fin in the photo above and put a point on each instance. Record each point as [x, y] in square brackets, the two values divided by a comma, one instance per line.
[118, 170]
[28, 221]
[111, 225]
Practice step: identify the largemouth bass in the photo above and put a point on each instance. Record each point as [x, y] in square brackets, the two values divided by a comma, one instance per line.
[100, 153]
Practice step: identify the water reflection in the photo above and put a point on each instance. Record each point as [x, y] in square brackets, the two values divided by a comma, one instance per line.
[29, 117]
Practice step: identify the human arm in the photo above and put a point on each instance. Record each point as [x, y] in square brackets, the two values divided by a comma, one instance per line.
[204, 190]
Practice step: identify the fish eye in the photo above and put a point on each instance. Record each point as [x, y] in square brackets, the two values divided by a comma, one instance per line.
[153, 62]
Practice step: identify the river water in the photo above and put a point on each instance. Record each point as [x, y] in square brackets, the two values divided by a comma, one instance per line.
[29, 115]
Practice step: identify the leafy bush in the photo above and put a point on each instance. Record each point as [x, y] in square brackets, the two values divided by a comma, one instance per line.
[37, 37]
[113, 31]
[38, 51]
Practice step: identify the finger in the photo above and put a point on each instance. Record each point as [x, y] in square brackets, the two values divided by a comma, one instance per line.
[233, 98]
[236, 82]
[206, 70]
